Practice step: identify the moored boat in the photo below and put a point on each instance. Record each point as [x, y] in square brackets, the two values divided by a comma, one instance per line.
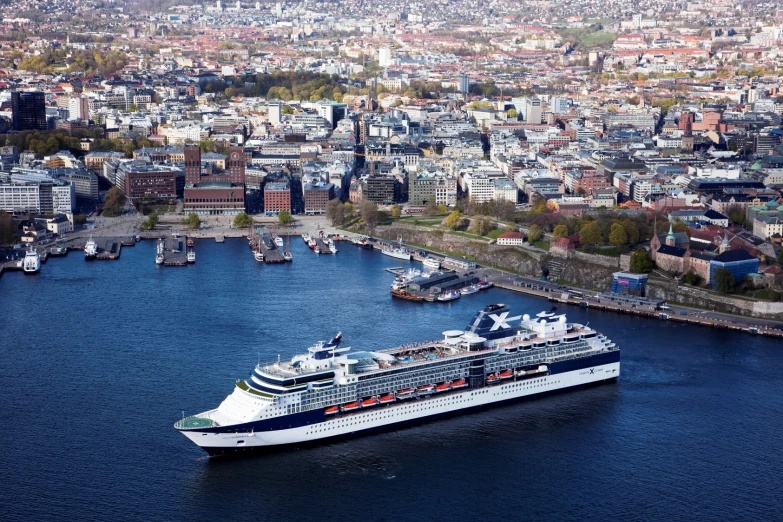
[506, 374]
[331, 410]
[483, 285]
[90, 249]
[449, 295]
[31, 263]
[472, 289]
[159, 252]
[258, 256]
[431, 263]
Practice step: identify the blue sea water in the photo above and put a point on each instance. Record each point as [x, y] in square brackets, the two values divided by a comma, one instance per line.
[99, 359]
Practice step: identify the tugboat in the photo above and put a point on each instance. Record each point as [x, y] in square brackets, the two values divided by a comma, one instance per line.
[191, 256]
[159, 252]
[90, 249]
[32, 261]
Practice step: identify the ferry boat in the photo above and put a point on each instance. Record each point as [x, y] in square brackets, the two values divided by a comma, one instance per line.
[90, 249]
[318, 395]
[431, 263]
[159, 252]
[31, 263]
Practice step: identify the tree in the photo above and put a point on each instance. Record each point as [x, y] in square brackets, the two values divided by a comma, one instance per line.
[284, 218]
[454, 220]
[114, 200]
[590, 233]
[724, 281]
[512, 114]
[631, 231]
[6, 228]
[349, 209]
[534, 233]
[335, 212]
[641, 262]
[481, 225]
[193, 221]
[242, 220]
[396, 211]
[287, 109]
[442, 209]
[369, 213]
[150, 222]
[692, 278]
[560, 231]
[617, 235]
[431, 208]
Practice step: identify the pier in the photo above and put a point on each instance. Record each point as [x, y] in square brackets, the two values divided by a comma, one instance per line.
[272, 254]
[175, 253]
[323, 247]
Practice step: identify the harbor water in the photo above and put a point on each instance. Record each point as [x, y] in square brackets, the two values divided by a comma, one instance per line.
[99, 359]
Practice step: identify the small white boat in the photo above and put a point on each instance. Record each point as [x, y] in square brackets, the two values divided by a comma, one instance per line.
[279, 241]
[449, 295]
[90, 249]
[159, 252]
[483, 285]
[472, 289]
[258, 256]
[191, 256]
[31, 263]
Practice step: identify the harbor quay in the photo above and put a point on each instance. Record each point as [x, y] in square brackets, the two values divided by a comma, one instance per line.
[112, 234]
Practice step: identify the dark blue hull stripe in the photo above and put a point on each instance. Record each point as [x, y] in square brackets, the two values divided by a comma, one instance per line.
[213, 452]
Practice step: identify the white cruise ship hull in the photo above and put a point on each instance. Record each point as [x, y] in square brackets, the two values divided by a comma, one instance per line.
[400, 412]
[396, 255]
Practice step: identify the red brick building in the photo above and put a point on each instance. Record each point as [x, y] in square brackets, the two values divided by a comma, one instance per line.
[277, 197]
[316, 197]
[214, 192]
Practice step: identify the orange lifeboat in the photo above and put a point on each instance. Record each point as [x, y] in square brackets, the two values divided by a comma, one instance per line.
[331, 410]
[407, 393]
[459, 383]
[386, 399]
[426, 389]
[492, 378]
[372, 401]
[351, 406]
[506, 374]
[442, 387]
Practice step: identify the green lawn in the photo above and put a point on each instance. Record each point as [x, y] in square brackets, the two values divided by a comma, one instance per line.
[611, 251]
[421, 221]
[242, 385]
[597, 38]
[543, 245]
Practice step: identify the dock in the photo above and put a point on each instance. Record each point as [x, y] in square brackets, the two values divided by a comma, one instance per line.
[175, 253]
[271, 253]
[108, 249]
[323, 247]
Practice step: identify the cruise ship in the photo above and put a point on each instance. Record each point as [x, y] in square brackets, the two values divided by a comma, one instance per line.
[332, 391]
